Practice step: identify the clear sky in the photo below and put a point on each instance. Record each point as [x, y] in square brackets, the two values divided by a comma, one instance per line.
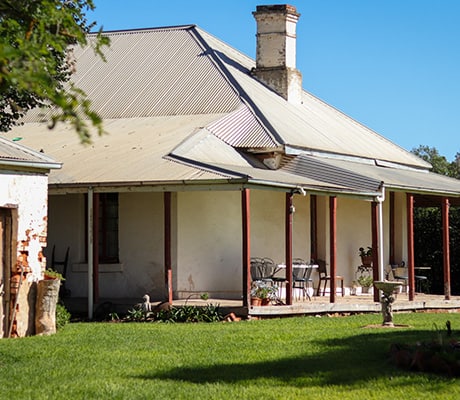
[393, 65]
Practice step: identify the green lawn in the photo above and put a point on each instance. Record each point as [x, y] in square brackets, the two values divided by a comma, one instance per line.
[292, 358]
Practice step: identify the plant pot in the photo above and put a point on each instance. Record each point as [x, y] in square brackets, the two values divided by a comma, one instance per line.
[366, 260]
[265, 302]
[256, 301]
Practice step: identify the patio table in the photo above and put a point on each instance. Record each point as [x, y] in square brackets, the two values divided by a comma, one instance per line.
[419, 279]
[301, 266]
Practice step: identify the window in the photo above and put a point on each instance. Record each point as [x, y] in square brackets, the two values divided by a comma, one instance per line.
[108, 228]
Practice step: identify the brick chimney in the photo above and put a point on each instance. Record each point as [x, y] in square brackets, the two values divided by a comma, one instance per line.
[276, 50]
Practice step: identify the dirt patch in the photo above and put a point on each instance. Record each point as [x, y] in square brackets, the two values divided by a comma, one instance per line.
[387, 326]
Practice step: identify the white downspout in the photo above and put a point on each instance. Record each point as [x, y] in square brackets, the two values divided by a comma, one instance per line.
[380, 199]
[90, 223]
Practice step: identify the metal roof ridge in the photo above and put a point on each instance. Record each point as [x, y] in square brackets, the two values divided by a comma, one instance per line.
[143, 30]
[251, 104]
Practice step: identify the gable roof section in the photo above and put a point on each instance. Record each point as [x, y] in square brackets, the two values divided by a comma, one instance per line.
[242, 129]
[206, 150]
[153, 72]
[15, 155]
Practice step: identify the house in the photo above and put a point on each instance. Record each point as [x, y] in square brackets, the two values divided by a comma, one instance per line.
[23, 233]
[211, 158]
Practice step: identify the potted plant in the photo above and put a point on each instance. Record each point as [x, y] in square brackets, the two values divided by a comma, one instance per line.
[365, 281]
[51, 274]
[366, 255]
[262, 293]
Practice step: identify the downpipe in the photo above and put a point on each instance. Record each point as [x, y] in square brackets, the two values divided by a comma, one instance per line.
[380, 199]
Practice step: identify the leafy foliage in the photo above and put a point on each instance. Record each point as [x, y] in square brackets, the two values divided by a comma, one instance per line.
[36, 61]
[428, 227]
[189, 313]
[263, 290]
[439, 162]
[185, 313]
[365, 252]
[62, 316]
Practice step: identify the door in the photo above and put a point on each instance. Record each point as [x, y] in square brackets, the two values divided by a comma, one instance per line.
[6, 248]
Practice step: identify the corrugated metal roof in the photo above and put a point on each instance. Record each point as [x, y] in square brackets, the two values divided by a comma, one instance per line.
[14, 153]
[314, 125]
[132, 151]
[205, 150]
[242, 129]
[186, 71]
[164, 90]
[314, 167]
[152, 72]
[392, 178]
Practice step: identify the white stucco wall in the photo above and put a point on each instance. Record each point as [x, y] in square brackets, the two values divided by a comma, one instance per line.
[210, 238]
[29, 193]
[206, 239]
[209, 243]
[140, 270]
[268, 225]
[353, 231]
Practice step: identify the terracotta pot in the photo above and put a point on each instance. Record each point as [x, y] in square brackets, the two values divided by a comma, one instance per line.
[256, 301]
[366, 260]
[265, 302]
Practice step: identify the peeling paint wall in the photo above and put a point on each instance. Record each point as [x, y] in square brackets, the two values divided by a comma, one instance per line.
[28, 194]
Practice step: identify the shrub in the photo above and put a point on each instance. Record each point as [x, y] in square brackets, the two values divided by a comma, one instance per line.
[62, 316]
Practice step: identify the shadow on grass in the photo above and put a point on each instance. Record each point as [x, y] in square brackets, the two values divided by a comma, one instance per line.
[341, 361]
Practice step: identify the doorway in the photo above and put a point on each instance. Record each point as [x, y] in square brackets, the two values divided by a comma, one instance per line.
[7, 244]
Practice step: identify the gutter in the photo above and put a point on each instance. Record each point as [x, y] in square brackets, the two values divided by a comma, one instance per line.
[31, 164]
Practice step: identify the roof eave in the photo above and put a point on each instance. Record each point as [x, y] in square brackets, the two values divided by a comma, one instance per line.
[28, 164]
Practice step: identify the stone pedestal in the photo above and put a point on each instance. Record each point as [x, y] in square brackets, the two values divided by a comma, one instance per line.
[387, 300]
[45, 307]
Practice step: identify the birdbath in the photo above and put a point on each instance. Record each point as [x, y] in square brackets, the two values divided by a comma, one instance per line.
[387, 288]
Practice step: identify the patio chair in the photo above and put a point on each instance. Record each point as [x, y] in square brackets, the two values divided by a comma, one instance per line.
[61, 267]
[271, 275]
[256, 269]
[401, 274]
[325, 277]
[268, 270]
[301, 277]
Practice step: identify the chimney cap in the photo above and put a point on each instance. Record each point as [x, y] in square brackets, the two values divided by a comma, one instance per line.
[276, 8]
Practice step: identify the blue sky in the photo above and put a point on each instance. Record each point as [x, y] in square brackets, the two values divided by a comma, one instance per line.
[393, 65]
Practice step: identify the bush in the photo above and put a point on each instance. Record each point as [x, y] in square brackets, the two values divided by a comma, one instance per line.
[62, 316]
[185, 313]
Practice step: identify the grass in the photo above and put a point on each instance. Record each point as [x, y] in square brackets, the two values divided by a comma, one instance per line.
[296, 358]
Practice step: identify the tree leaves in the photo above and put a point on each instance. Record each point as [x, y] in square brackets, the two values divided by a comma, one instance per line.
[36, 61]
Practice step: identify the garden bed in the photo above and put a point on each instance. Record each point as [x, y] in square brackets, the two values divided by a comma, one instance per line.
[439, 356]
